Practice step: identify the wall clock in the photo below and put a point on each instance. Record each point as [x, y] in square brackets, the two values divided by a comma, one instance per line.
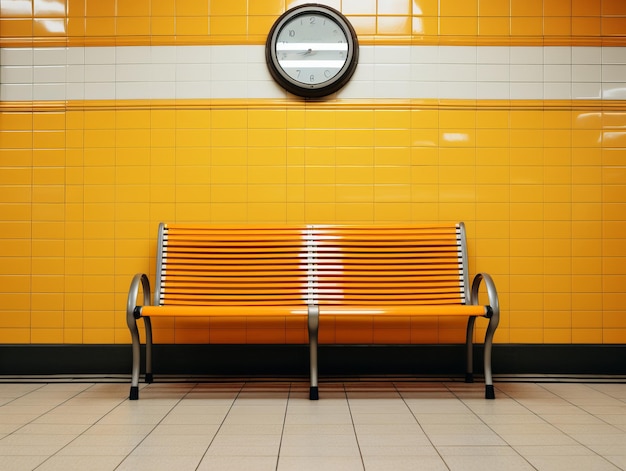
[312, 50]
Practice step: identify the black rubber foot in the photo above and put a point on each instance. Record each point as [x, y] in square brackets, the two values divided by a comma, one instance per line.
[149, 378]
[489, 392]
[314, 394]
[134, 393]
[469, 377]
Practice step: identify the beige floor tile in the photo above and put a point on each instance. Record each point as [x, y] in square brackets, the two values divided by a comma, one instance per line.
[177, 440]
[67, 419]
[361, 425]
[601, 439]
[318, 419]
[397, 451]
[375, 418]
[529, 439]
[618, 449]
[316, 429]
[179, 449]
[158, 463]
[123, 429]
[43, 440]
[448, 419]
[26, 450]
[22, 462]
[554, 450]
[318, 440]
[617, 460]
[238, 463]
[53, 429]
[256, 419]
[572, 463]
[452, 439]
[270, 441]
[320, 451]
[70, 463]
[316, 463]
[108, 440]
[462, 429]
[586, 429]
[389, 429]
[189, 419]
[74, 449]
[204, 430]
[525, 429]
[485, 463]
[408, 439]
[498, 450]
[250, 429]
[243, 449]
[404, 463]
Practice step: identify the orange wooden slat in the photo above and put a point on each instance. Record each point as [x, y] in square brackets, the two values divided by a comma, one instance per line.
[342, 293]
[224, 269]
[239, 302]
[263, 282]
[229, 255]
[257, 265]
[234, 280]
[280, 271]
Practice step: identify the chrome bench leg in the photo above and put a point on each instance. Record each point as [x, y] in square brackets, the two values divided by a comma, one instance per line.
[134, 382]
[491, 328]
[469, 350]
[148, 324]
[314, 315]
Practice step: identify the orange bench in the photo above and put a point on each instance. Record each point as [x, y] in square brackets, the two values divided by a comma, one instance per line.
[311, 271]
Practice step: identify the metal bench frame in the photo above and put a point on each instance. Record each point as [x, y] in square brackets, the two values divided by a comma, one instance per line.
[312, 305]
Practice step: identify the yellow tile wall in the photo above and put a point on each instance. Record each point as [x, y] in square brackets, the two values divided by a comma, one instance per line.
[83, 191]
[540, 186]
[144, 22]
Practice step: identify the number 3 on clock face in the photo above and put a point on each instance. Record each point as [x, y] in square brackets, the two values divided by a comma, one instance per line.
[312, 50]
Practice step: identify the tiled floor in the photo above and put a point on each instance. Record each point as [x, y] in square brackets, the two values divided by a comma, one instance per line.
[376, 425]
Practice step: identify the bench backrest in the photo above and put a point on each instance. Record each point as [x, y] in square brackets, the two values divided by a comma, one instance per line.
[311, 264]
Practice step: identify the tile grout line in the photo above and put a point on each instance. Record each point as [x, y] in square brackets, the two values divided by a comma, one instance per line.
[282, 430]
[595, 453]
[243, 385]
[77, 436]
[152, 429]
[356, 435]
[489, 426]
[420, 425]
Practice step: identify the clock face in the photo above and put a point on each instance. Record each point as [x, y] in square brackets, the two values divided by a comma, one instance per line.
[312, 50]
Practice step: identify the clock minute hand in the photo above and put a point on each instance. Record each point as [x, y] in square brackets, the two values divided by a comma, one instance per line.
[308, 52]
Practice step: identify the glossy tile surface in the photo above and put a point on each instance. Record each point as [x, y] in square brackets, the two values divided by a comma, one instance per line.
[360, 425]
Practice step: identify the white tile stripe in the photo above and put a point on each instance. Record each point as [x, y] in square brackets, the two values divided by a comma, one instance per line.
[179, 72]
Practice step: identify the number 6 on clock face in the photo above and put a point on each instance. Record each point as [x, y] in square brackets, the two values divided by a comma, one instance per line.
[312, 50]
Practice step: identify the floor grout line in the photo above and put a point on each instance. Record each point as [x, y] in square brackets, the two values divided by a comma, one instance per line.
[448, 425]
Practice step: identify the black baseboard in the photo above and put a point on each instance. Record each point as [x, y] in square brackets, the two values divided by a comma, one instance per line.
[290, 360]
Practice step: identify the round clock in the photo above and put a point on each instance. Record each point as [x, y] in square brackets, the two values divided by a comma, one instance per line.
[312, 50]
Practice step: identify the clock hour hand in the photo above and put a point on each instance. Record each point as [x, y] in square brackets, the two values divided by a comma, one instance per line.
[308, 52]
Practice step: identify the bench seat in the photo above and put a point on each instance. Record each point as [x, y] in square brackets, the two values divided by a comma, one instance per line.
[311, 271]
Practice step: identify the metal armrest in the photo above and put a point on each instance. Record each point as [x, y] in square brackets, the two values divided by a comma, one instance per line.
[131, 303]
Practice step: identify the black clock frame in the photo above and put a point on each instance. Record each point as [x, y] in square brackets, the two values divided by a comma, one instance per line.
[300, 88]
